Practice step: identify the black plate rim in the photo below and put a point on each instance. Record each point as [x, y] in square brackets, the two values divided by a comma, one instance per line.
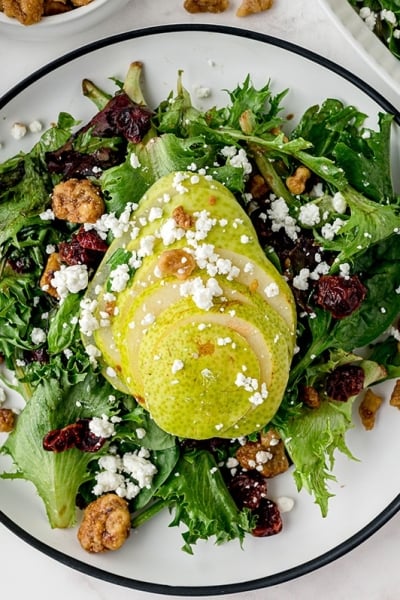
[341, 549]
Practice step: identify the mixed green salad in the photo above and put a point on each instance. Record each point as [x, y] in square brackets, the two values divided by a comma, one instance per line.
[319, 196]
[381, 17]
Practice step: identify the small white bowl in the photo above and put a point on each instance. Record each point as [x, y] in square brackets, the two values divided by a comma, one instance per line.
[69, 22]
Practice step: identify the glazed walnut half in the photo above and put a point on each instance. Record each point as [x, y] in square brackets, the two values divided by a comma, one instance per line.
[105, 525]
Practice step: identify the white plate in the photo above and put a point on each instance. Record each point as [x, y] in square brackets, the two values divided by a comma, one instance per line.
[367, 492]
[364, 41]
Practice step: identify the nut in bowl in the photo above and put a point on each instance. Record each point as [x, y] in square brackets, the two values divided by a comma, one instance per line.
[29, 21]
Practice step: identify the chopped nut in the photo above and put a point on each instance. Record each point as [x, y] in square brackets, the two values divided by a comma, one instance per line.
[182, 218]
[258, 187]
[53, 264]
[105, 525]
[176, 262]
[296, 183]
[250, 7]
[310, 396]
[213, 6]
[368, 409]
[7, 420]
[395, 396]
[267, 456]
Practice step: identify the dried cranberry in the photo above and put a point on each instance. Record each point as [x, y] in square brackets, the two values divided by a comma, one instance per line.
[122, 116]
[269, 520]
[84, 248]
[39, 355]
[345, 381]
[85, 439]
[90, 240]
[248, 489]
[76, 435]
[341, 296]
[59, 440]
[72, 253]
[68, 162]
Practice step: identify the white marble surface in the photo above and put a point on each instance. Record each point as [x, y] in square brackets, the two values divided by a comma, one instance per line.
[369, 572]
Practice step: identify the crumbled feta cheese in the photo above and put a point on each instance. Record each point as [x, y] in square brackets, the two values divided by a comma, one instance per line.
[271, 290]
[35, 126]
[88, 322]
[285, 504]
[329, 230]
[70, 279]
[201, 294]
[140, 433]
[300, 281]
[339, 203]
[202, 92]
[281, 219]
[309, 215]
[47, 215]
[18, 130]
[177, 365]
[38, 335]
[101, 427]
[119, 277]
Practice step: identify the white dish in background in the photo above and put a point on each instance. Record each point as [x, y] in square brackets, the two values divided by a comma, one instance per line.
[68, 23]
[367, 492]
[364, 41]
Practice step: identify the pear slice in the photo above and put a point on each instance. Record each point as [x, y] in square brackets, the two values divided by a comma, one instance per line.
[232, 236]
[162, 303]
[205, 373]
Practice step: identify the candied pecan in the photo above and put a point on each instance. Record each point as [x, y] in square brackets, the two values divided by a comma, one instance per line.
[55, 7]
[182, 218]
[250, 7]
[267, 456]
[341, 296]
[310, 396]
[77, 201]
[7, 420]
[269, 520]
[368, 409]
[106, 524]
[248, 489]
[345, 381]
[296, 183]
[176, 262]
[53, 264]
[395, 395]
[26, 12]
[258, 187]
[76, 435]
[213, 6]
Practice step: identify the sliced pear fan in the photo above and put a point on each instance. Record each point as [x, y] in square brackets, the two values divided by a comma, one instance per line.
[151, 307]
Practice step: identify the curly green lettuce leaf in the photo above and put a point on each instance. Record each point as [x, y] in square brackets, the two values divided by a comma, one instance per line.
[199, 499]
[56, 476]
[314, 436]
